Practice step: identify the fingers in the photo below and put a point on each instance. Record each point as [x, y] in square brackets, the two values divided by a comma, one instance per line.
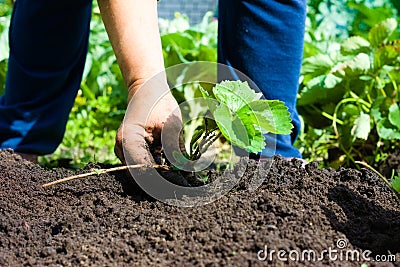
[131, 147]
[118, 147]
[148, 115]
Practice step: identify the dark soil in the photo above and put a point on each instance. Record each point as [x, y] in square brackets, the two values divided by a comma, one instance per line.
[390, 164]
[107, 221]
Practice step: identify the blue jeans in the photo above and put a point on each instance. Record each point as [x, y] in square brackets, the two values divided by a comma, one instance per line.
[48, 46]
[264, 40]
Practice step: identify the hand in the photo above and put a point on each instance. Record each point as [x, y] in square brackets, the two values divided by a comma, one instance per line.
[151, 107]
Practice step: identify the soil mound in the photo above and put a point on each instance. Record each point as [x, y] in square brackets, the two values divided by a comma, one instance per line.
[107, 220]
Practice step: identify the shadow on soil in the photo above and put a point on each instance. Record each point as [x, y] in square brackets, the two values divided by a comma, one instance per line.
[368, 225]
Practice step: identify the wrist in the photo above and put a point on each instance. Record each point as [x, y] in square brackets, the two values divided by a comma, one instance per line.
[152, 85]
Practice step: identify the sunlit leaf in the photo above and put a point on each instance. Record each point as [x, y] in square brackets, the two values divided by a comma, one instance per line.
[355, 45]
[382, 31]
[272, 115]
[235, 94]
[362, 127]
[317, 65]
[360, 64]
[396, 183]
[387, 131]
[387, 54]
[394, 115]
[231, 127]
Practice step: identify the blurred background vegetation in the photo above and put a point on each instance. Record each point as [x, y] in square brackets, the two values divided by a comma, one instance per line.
[101, 100]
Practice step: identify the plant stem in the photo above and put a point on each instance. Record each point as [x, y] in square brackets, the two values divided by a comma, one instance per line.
[343, 101]
[396, 89]
[381, 176]
[209, 138]
[102, 171]
[209, 142]
[362, 101]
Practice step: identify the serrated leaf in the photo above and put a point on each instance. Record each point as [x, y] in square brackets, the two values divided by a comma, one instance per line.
[317, 65]
[382, 31]
[257, 142]
[387, 131]
[235, 94]
[354, 45]
[394, 115]
[331, 81]
[387, 54]
[271, 115]
[255, 135]
[396, 183]
[362, 126]
[211, 102]
[322, 89]
[360, 64]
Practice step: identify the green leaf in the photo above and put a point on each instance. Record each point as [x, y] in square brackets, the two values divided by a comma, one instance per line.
[387, 54]
[376, 114]
[254, 135]
[271, 115]
[225, 119]
[350, 110]
[4, 45]
[230, 126]
[382, 31]
[200, 72]
[396, 183]
[362, 126]
[322, 89]
[240, 131]
[204, 92]
[178, 46]
[211, 102]
[355, 45]
[331, 81]
[387, 131]
[235, 94]
[359, 65]
[394, 115]
[369, 15]
[317, 65]
[257, 142]
[244, 119]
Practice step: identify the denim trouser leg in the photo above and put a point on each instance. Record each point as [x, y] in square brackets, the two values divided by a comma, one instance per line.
[264, 40]
[48, 46]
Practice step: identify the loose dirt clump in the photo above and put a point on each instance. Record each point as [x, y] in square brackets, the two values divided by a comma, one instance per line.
[107, 220]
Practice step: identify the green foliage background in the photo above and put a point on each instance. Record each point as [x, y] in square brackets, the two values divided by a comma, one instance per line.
[101, 101]
[349, 82]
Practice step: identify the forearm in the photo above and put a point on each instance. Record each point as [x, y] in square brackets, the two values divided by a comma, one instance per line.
[132, 26]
